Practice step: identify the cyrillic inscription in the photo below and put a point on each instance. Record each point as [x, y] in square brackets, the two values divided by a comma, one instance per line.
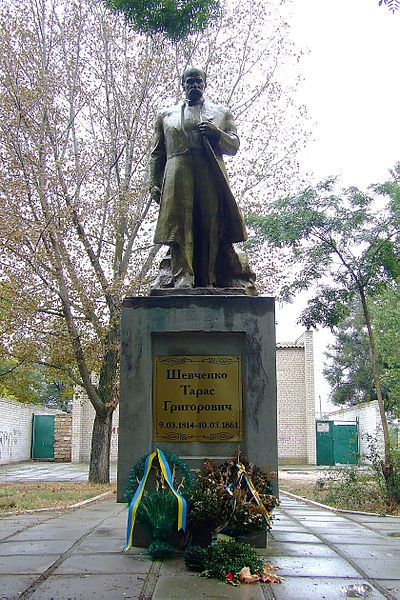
[197, 398]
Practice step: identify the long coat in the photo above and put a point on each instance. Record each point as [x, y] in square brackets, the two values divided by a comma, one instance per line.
[171, 170]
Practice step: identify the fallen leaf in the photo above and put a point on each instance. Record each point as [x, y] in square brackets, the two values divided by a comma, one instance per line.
[246, 577]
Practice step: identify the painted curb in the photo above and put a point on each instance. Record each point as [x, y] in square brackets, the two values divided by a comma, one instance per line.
[338, 510]
[58, 508]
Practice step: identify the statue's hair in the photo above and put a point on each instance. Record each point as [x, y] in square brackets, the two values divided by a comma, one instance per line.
[193, 71]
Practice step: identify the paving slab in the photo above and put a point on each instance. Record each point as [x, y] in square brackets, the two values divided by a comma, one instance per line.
[368, 519]
[294, 588]
[113, 532]
[360, 538]
[103, 564]
[11, 587]
[285, 523]
[376, 551]
[102, 531]
[28, 519]
[175, 566]
[293, 549]
[387, 528]
[90, 587]
[93, 545]
[51, 533]
[311, 566]
[322, 518]
[332, 527]
[9, 525]
[9, 530]
[389, 568]
[26, 565]
[13, 548]
[293, 536]
[288, 529]
[187, 587]
[392, 587]
[300, 507]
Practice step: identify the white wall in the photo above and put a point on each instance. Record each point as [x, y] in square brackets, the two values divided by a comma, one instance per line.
[16, 429]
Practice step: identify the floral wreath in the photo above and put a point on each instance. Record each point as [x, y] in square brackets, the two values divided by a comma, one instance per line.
[184, 482]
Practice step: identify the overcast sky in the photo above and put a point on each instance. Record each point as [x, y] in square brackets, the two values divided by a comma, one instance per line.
[351, 89]
[351, 86]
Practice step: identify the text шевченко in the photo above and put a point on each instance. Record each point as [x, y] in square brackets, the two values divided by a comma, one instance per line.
[188, 390]
[178, 374]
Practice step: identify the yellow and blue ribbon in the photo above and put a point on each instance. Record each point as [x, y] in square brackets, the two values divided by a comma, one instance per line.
[242, 474]
[132, 510]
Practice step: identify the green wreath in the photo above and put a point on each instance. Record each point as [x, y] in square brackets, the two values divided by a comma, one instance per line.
[176, 19]
[182, 476]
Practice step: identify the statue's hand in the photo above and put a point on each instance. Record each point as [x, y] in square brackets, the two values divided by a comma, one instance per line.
[155, 194]
[210, 130]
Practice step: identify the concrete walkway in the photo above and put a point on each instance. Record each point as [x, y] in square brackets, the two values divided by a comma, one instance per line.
[77, 555]
[47, 471]
[52, 471]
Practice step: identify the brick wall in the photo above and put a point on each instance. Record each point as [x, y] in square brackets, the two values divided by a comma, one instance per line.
[16, 429]
[369, 421]
[62, 437]
[308, 341]
[296, 401]
[82, 425]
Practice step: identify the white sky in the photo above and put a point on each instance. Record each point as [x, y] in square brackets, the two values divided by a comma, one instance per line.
[351, 89]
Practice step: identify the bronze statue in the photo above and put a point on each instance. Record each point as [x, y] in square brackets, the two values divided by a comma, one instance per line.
[199, 219]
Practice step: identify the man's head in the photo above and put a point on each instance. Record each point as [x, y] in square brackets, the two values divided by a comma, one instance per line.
[194, 83]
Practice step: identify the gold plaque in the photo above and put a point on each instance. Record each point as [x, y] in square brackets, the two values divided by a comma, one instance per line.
[197, 399]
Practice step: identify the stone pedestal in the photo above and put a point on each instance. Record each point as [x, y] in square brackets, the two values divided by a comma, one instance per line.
[196, 326]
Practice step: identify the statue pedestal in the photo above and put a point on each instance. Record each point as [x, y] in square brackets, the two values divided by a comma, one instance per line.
[198, 379]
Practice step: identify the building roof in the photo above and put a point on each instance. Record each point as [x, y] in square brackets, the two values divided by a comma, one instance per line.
[296, 344]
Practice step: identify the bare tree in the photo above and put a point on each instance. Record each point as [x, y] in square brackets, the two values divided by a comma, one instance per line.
[78, 95]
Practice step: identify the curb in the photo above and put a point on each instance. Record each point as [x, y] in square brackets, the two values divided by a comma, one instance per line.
[58, 508]
[89, 500]
[337, 510]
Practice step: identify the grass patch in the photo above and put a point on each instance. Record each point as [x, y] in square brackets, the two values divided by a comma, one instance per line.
[17, 497]
[344, 490]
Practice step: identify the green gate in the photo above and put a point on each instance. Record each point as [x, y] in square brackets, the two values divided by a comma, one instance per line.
[43, 437]
[345, 443]
[337, 442]
[324, 432]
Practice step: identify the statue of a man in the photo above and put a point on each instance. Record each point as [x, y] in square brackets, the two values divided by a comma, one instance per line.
[198, 219]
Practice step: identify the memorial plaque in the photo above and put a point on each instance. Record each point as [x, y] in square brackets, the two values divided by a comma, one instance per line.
[197, 399]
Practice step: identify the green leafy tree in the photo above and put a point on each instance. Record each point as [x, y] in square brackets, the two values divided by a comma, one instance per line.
[385, 311]
[57, 394]
[176, 19]
[348, 367]
[29, 383]
[24, 383]
[343, 247]
[348, 364]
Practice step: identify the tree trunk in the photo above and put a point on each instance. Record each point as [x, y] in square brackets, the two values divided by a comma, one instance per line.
[99, 470]
[387, 465]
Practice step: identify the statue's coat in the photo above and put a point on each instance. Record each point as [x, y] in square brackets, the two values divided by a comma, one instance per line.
[171, 170]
